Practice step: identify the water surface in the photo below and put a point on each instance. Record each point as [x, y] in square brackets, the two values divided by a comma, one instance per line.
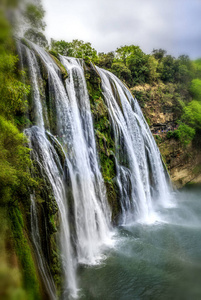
[156, 261]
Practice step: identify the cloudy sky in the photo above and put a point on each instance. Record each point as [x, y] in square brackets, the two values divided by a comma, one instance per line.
[174, 25]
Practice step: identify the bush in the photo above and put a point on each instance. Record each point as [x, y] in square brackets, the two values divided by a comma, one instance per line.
[195, 89]
[192, 114]
[184, 134]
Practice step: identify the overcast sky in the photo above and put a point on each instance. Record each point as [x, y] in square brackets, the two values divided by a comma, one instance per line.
[173, 25]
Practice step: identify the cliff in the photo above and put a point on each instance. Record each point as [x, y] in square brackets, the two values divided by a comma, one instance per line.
[162, 107]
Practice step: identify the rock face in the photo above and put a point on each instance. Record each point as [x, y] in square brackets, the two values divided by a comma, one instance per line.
[162, 106]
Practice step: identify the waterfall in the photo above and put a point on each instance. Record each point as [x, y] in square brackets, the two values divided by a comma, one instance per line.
[75, 128]
[62, 119]
[50, 167]
[92, 214]
[140, 173]
[86, 199]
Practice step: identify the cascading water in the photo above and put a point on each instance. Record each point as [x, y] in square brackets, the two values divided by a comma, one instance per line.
[140, 173]
[77, 184]
[161, 260]
[74, 129]
[46, 156]
[35, 77]
[92, 214]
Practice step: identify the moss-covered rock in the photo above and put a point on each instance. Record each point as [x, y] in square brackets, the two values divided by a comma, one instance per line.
[59, 64]
[48, 221]
[24, 253]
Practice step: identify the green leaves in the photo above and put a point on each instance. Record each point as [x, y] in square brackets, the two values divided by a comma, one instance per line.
[14, 155]
[14, 160]
[192, 114]
[195, 89]
[185, 134]
[76, 48]
[36, 37]
[34, 15]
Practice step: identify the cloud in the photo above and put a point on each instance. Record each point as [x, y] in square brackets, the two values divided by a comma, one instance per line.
[108, 24]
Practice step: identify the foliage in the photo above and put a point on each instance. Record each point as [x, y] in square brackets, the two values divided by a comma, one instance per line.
[197, 67]
[14, 156]
[14, 160]
[185, 69]
[168, 69]
[15, 179]
[36, 37]
[76, 48]
[192, 114]
[34, 15]
[24, 254]
[159, 54]
[195, 89]
[136, 61]
[183, 133]
[105, 60]
[122, 72]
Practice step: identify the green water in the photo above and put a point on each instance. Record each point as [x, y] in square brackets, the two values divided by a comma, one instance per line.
[157, 261]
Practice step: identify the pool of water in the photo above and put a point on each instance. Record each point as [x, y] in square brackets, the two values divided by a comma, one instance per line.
[156, 261]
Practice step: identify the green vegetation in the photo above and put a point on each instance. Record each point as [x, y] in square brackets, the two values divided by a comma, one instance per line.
[195, 89]
[183, 133]
[15, 178]
[24, 255]
[76, 48]
[175, 81]
[14, 156]
[34, 15]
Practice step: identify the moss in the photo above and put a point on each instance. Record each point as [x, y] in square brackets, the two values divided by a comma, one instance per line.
[104, 138]
[24, 253]
[61, 67]
[47, 211]
[25, 42]
[53, 53]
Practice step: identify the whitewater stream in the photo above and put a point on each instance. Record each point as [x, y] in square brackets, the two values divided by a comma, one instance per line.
[161, 260]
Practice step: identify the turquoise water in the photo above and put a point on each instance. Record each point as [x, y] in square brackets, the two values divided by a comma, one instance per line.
[157, 261]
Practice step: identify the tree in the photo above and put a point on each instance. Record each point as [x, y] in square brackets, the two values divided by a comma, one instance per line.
[34, 15]
[122, 72]
[192, 114]
[136, 61]
[197, 66]
[60, 47]
[36, 37]
[184, 133]
[184, 69]
[153, 68]
[195, 89]
[168, 69]
[106, 59]
[159, 54]
[76, 48]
